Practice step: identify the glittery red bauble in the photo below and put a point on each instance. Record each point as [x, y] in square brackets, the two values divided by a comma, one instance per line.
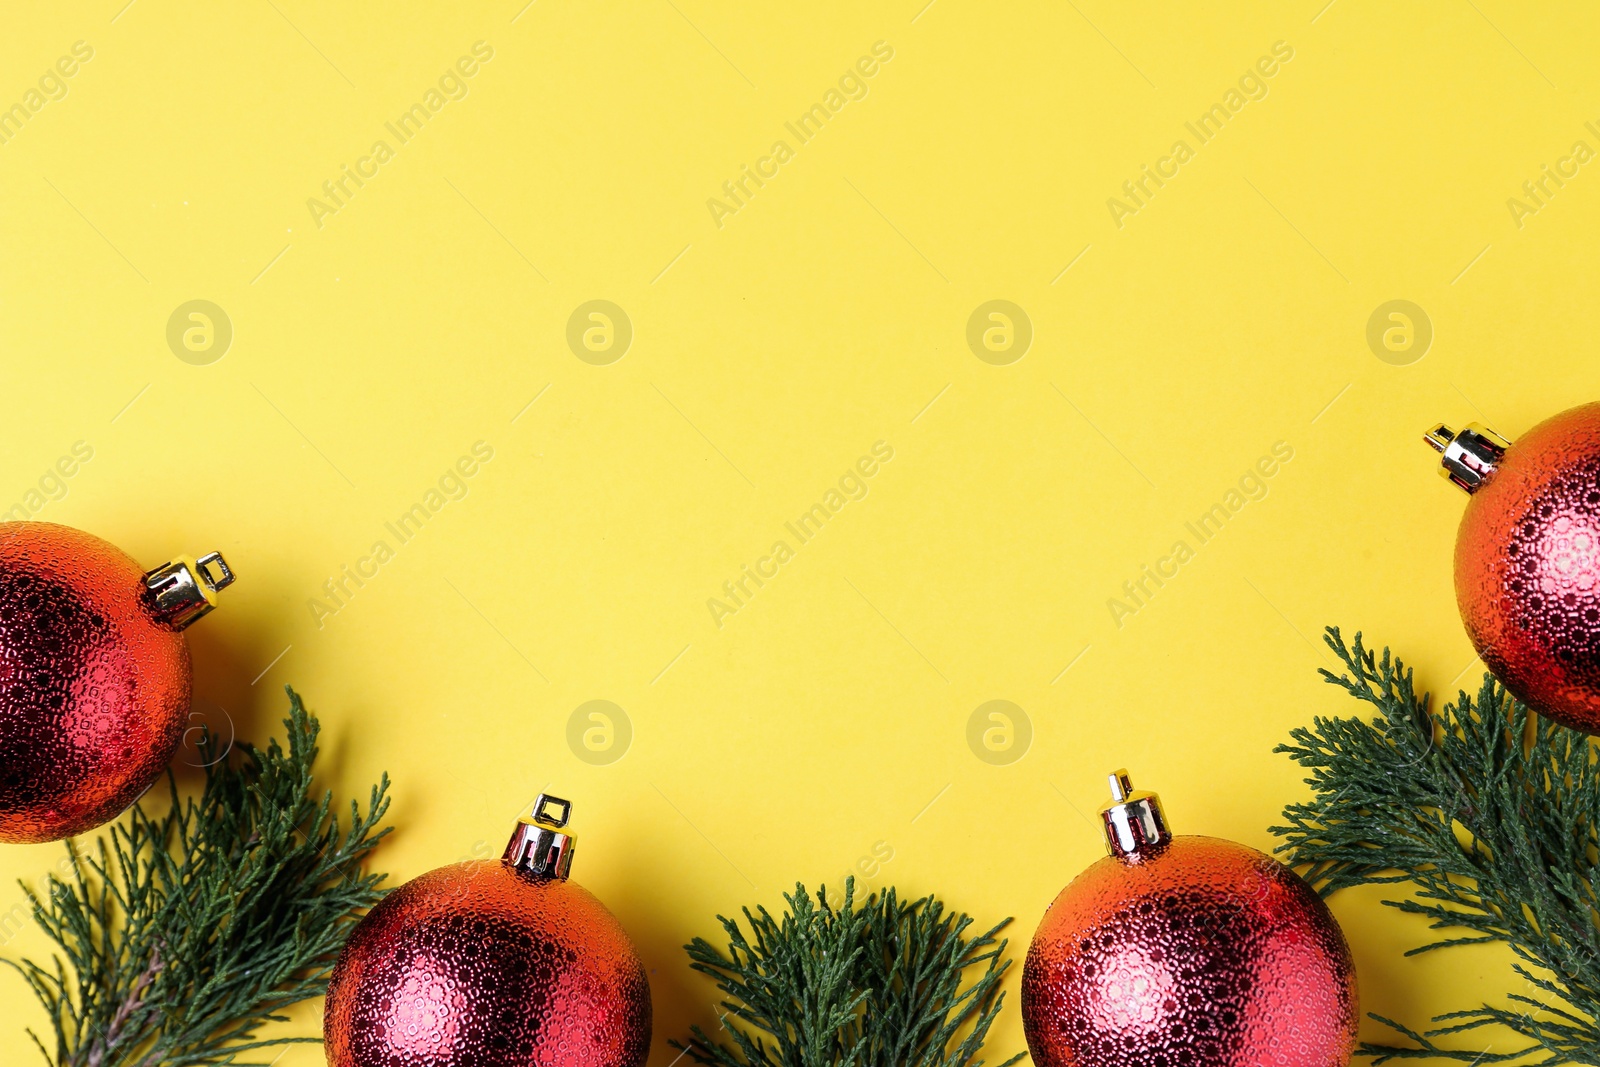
[1200, 951]
[479, 965]
[1528, 568]
[93, 689]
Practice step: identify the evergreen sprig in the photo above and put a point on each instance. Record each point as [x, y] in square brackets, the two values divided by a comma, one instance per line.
[184, 932]
[1491, 814]
[874, 986]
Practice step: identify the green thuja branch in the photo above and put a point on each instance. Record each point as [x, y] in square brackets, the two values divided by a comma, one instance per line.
[185, 931]
[1490, 815]
[874, 986]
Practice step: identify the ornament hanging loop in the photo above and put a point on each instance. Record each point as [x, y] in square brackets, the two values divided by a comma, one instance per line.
[541, 810]
[539, 847]
[185, 589]
[1470, 456]
[1134, 823]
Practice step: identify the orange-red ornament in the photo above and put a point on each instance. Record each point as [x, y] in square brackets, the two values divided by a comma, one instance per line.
[1527, 565]
[492, 963]
[94, 675]
[1186, 950]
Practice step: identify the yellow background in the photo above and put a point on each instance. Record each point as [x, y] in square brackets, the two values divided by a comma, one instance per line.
[829, 715]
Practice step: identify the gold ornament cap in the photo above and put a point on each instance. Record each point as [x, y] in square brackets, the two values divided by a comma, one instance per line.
[182, 590]
[540, 846]
[1468, 457]
[1134, 823]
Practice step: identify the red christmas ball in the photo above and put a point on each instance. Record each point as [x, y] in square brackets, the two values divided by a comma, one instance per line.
[1527, 564]
[491, 964]
[94, 675]
[1186, 950]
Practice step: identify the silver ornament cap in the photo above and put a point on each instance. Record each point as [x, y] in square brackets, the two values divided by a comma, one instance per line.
[181, 591]
[1134, 823]
[1470, 456]
[540, 846]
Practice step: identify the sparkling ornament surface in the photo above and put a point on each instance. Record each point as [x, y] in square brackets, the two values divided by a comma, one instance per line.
[1527, 568]
[93, 690]
[478, 965]
[1200, 951]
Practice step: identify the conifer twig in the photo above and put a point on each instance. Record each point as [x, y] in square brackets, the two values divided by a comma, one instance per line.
[875, 986]
[185, 932]
[1491, 816]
